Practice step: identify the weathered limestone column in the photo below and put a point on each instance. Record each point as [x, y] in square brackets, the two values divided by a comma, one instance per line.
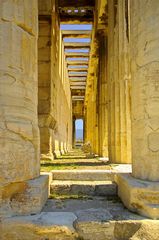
[124, 82]
[19, 133]
[46, 120]
[119, 83]
[113, 84]
[73, 132]
[140, 192]
[103, 97]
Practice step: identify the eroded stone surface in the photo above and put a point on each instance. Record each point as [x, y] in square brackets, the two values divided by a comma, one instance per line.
[138, 195]
[19, 142]
[24, 198]
[53, 226]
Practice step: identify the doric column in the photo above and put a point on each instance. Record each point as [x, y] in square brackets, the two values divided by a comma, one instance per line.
[124, 82]
[45, 90]
[113, 83]
[103, 97]
[140, 192]
[73, 132]
[19, 132]
[145, 89]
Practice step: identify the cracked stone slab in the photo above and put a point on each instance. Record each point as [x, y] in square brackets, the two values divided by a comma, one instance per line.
[94, 214]
[93, 224]
[50, 225]
[46, 219]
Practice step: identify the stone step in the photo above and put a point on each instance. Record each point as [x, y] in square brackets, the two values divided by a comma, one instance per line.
[83, 175]
[89, 188]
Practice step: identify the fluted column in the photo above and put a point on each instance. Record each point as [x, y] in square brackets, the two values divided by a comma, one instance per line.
[22, 189]
[140, 191]
[19, 141]
[103, 97]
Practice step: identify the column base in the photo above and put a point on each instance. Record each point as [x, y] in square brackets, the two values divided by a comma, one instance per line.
[23, 198]
[48, 156]
[62, 152]
[138, 195]
[57, 153]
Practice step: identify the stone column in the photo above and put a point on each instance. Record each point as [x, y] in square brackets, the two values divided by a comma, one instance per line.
[73, 132]
[140, 192]
[103, 97]
[44, 86]
[124, 82]
[19, 133]
[113, 83]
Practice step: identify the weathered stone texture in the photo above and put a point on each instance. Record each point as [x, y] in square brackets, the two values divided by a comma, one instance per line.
[52, 226]
[119, 121]
[145, 94]
[24, 198]
[54, 108]
[19, 141]
[103, 97]
[139, 196]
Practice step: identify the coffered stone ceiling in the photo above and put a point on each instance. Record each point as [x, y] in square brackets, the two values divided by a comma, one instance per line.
[76, 18]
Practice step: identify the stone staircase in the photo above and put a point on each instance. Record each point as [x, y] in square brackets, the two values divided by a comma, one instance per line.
[83, 182]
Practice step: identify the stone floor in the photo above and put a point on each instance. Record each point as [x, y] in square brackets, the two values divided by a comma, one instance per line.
[79, 217]
[76, 159]
[75, 219]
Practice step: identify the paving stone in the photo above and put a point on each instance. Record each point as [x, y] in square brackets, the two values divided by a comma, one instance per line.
[98, 188]
[50, 226]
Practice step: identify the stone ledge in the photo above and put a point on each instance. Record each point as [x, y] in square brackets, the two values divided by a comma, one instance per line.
[24, 198]
[138, 195]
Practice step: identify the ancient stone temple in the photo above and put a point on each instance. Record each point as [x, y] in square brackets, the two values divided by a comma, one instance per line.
[96, 61]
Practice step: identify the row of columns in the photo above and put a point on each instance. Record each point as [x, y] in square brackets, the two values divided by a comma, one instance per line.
[25, 59]
[55, 113]
[133, 79]
[128, 110]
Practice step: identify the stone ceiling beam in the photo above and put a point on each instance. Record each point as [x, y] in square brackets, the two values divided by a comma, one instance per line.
[78, 92]
[76, 4]
[76, 33]
[77, 69]
[76, 54]
[78, 75]
[76, 21]
[78, 84]
[77, 87]
[79, 62]
[76, 45]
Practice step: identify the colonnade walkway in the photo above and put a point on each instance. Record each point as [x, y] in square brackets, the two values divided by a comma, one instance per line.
[83, 201]
[80, 174]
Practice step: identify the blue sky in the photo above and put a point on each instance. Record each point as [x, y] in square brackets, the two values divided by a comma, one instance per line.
[76, 27]
[79, 124]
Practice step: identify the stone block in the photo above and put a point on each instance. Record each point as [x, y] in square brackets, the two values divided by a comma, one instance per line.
[136, 230]
[90, 188]
[138, 195]
[52, 226]
[95, 224]
[23, 198]
[83, 175]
